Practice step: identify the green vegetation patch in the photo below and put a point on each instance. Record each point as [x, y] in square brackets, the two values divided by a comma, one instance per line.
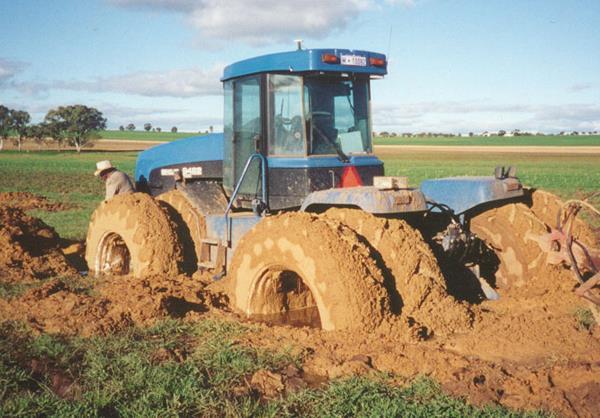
[178, 368]
[530, 140]
[144, 135]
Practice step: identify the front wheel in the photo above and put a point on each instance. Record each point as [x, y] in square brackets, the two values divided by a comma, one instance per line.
[131, 234]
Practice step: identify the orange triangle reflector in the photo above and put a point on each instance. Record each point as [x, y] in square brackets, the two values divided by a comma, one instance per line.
[350, 177]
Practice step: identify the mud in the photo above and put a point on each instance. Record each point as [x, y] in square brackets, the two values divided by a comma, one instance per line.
[29, 249]
[109, 304]
[419, 291]
[526, 350]
[28, 201]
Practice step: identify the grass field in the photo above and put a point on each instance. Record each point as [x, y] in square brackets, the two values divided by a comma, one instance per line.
[69, 177]
[536, 140]
[145, 136]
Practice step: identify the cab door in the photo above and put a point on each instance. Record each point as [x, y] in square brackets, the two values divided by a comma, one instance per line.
[243, 134]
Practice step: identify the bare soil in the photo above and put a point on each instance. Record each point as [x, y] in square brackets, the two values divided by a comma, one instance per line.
[526, 350]
[28, 201]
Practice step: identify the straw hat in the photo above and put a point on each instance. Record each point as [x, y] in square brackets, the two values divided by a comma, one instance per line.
[101, 166]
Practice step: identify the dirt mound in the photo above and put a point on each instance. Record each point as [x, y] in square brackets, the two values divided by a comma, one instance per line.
[418, 292]
[28, 201]
[29, 249]
[109, 304]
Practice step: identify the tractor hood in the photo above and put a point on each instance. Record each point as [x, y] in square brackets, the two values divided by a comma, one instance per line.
[197, 156]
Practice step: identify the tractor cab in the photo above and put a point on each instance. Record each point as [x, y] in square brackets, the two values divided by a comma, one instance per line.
[307, 113]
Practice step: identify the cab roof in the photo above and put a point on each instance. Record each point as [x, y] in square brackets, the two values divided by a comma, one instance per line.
[308, 60]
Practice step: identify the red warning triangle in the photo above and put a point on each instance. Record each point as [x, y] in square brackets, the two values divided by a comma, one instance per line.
[350, 177]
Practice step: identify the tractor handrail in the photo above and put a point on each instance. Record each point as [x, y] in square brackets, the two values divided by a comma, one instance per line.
[263, 169]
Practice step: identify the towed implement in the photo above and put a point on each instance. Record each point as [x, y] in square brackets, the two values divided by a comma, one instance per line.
[291, 212]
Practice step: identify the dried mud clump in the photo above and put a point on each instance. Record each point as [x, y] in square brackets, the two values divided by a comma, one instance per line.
[28, 201]
[29, 249]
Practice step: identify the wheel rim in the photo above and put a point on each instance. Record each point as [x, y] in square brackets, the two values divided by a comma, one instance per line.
[280, 296]
[114, 257]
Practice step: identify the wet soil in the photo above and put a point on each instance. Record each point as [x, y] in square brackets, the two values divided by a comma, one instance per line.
[526, 350]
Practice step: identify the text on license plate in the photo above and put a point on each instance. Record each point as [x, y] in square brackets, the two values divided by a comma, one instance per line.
[353, 60]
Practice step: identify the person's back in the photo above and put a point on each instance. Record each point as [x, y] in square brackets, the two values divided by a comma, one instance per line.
[118, 182]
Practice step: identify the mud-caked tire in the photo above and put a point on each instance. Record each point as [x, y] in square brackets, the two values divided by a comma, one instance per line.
[511, 231]
[419, 289]
[321, 256]
[190, 226]
[132, 234]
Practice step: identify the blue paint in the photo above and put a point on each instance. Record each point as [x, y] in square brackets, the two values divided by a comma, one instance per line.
[368, 198]
[464, 193]
[193, 149]
[303, 60]
[319, 162]
[240, 223]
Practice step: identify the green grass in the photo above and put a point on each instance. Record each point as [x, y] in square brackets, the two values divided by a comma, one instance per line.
[68, 177]
[145, 136]
[567, 175]
[535, 140]
[65, 177]
[128, 374]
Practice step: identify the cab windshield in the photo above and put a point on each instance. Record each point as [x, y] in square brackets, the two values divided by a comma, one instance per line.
[318, 115]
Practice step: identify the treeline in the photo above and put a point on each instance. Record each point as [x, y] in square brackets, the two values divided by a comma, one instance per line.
[75, 125]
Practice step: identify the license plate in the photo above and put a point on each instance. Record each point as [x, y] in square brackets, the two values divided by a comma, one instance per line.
[356, 60]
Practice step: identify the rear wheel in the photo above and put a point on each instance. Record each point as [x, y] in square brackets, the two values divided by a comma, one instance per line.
[418, 288]
[190, 226]
[511, 231]
[302, 269]
[131, 234]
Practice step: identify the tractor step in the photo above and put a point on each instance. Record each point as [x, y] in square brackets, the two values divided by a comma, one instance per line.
[212, 255]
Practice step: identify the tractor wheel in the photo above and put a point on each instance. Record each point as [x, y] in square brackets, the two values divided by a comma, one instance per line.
[546, 207]
[190, 226]
[131, 234]
[418, 288]
[301, 269]
[510, 230]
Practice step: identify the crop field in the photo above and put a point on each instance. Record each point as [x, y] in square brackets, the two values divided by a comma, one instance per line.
[68, 177]
[533, 140]
[144, 136]
[172, 346]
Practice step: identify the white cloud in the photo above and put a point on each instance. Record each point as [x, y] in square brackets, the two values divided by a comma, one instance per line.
[260, 22]
[480, 116]
[575, 88]
[8, 69]
[182, 83]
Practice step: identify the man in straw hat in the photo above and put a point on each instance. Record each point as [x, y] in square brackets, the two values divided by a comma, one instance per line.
[116, 181]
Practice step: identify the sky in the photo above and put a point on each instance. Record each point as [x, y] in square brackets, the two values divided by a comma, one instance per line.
[454, 65]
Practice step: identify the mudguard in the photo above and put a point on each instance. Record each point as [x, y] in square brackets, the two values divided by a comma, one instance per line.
[368, 198]
[463, 193]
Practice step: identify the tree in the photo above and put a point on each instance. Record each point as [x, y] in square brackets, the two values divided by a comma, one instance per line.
[147, 127]
[121, 128]
[77, 122]
[37, 133]
[158, 129]
[20, 123]
[5, 124]
[501, 132]
[211, 129]
[131, 127]
[174, 129]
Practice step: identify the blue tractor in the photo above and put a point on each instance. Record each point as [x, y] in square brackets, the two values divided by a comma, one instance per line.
[291, 209]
